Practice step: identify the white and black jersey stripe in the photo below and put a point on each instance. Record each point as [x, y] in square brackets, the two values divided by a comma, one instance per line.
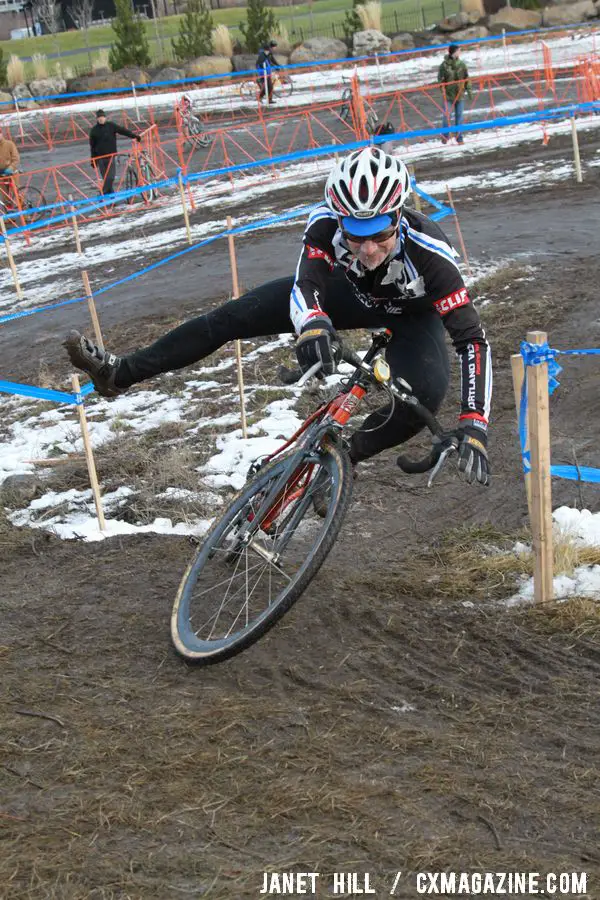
[422, 272]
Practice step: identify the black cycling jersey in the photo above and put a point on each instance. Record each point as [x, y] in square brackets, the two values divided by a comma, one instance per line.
[420, 274]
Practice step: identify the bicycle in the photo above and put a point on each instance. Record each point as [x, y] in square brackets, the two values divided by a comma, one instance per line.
[14, 200]
[283, 86]
[139, 172]
[191, 125]
[263, 552]
[345, 113]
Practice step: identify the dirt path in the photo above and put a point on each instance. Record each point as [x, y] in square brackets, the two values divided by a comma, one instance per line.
[399, 718]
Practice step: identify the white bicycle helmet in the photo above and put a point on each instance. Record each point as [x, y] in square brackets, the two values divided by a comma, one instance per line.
[367, 184]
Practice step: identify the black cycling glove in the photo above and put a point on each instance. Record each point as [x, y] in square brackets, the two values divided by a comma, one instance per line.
[314, 345]
[472, 451]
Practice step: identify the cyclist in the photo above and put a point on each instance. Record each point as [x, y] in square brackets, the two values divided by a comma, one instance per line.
[9, 163]
[265, 63]
[367, 261]
[185, 105]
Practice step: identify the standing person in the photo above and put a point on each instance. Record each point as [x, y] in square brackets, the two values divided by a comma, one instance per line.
[367, 261]
[453, 78]
[265, 63]
[9, 163]
[103, 148]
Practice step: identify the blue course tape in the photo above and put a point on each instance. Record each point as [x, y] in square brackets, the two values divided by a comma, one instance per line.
[242, 229]
[506, 121]
[28, 390]
[535, 355]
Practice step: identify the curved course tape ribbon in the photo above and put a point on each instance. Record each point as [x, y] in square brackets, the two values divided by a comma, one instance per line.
[535, 355]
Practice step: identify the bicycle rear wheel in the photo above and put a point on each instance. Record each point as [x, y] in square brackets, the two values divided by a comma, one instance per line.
[248, 573]
[130, 182]
[33, 199]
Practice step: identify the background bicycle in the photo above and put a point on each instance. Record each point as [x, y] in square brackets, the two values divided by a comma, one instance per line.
[345, 113]
[191, 126]
[139, 171]
[14, 198]
[262, 553]
[283, 86]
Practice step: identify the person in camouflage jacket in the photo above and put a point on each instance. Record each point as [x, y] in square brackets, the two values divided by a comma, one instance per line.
[453, 77]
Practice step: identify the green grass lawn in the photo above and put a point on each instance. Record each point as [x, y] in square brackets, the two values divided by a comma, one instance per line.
[302, 20]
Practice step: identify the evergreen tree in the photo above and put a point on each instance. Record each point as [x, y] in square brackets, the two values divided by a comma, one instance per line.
[3, 64]
[260, 25]
[195, 32]
[131, 46]
[352, 22]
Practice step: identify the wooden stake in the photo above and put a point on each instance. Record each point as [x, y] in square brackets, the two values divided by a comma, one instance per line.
[518, 374]
[92, 308]
[463, 249]
[137, 110]
[238, 346]
[89, 456]
[541, 489]
[75, 226]
[577, 158]
[57, 461]
[184, 206]
[11, 261]
[417, 200]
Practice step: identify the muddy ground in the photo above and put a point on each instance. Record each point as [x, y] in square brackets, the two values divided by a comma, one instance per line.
[399, 718]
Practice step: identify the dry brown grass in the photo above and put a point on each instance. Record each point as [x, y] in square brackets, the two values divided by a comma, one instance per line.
[576, 618]
[40, 65]
[15, 71]
[222, 41]
[370, 14]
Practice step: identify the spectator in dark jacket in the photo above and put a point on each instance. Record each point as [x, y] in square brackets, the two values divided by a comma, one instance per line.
[103, 147]
[265, 63]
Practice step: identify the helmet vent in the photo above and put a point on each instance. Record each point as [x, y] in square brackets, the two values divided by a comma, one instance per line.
[381, 192]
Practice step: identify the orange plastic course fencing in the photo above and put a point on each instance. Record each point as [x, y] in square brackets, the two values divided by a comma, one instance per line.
[66, 124]
[280, 131]
[589, 79]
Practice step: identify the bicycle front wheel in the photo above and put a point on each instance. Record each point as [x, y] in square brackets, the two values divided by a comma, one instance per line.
[149, 177]
[249, 90]
[260, 556]
[372, 121]
[285, 87]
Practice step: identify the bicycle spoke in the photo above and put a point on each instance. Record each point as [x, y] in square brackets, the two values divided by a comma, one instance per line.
[255, 557]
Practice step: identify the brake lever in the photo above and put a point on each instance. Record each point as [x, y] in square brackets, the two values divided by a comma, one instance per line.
[314, 369]
[452, 447]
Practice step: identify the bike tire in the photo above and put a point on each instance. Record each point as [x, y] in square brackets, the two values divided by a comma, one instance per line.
[285, 88]
[335, 463]
[372, 121]
[32, 199]
[149, 177]
[344, 112]
[196, 133]
[249, 90]
[130, 182]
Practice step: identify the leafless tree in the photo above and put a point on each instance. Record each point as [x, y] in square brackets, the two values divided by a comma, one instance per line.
[47, 12]
[81, 13]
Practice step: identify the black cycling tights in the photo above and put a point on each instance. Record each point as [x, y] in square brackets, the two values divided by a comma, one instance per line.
[417, 351]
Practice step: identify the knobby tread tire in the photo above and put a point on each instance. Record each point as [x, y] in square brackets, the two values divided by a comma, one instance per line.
[315, 561]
